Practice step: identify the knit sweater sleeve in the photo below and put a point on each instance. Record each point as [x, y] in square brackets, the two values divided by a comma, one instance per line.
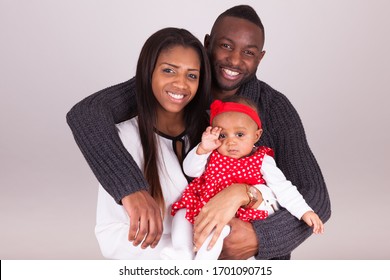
[281, 233]
[92, 122]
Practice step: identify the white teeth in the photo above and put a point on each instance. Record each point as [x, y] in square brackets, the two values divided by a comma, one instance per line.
[230, 73]
[176, 96]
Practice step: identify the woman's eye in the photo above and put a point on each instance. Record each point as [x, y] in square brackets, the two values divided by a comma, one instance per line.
[193, 76]
[168, 70]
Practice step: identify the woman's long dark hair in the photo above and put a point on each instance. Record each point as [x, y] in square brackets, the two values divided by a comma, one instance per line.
[195, 116]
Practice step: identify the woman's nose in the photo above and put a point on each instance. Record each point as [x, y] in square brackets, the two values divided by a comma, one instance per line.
[181, 82]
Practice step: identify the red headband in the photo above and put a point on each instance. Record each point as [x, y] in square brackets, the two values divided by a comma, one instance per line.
[219, 107]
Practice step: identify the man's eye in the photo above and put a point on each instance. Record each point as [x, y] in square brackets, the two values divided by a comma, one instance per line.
[226, 46]
[250, 53]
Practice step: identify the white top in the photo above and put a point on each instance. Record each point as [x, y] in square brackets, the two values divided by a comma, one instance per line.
[281, 189]
[112, 221]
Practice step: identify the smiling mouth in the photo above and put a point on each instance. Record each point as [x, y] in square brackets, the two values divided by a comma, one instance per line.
[230, 73]
[176, 96]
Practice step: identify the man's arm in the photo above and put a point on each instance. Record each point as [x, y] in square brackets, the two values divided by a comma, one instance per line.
[112, 230]
[281, 233]
[92, 122]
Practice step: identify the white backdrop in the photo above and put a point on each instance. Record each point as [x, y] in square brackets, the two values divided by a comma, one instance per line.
[331, 58]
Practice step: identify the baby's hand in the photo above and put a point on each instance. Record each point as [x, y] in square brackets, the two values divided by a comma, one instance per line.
[210, 140]
[314, 221]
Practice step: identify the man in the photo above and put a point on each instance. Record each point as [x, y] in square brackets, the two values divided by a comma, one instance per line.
[235, 48]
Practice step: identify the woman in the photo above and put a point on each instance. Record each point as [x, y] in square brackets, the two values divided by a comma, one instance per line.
[172, 84]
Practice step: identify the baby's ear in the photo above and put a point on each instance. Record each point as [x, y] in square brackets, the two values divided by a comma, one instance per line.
[258, 134]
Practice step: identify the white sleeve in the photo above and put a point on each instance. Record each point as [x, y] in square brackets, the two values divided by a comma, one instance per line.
[269, 203]
[112, 229]
[286, 193]
[194, 165]
[267, 194]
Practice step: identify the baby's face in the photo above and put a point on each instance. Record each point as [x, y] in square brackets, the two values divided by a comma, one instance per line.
[239, 134]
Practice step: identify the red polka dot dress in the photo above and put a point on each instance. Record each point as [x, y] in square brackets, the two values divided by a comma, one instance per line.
[221, 172]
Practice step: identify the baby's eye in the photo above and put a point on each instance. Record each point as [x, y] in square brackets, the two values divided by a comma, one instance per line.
[240, 134]
[222, 136]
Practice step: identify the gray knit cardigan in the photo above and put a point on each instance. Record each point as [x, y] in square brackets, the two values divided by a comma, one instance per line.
[93, 119]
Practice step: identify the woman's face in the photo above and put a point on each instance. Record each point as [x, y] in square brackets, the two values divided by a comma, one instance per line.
[175, 78]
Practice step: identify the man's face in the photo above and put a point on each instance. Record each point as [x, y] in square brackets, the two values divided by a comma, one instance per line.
[235, 49]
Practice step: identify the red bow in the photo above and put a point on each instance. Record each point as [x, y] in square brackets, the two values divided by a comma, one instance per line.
[219, 107]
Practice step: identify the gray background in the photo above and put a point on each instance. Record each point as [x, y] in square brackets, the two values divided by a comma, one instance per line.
[331, 58]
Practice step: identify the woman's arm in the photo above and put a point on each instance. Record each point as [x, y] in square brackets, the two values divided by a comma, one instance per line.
[217, 213]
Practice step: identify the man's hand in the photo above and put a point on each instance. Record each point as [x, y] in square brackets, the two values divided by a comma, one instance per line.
[241, 243]
[145, 219]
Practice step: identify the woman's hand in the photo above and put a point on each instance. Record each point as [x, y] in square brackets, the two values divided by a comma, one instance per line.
[217, 213]
[145, 219]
